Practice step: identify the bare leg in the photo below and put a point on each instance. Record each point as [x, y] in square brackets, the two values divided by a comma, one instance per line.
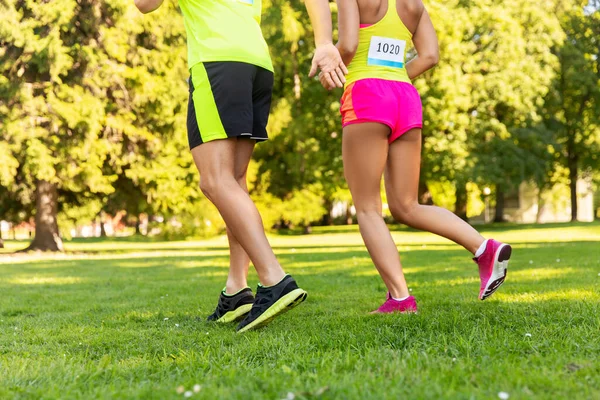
[216, 162]
[238, 258]
[402, 185]
[365, 149]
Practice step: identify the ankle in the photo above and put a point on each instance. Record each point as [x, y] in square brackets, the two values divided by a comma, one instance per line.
[232, 287]
[479, 250]
[272, 278]
[401, 294]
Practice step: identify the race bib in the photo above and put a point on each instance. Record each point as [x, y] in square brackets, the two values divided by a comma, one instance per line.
[386, 52]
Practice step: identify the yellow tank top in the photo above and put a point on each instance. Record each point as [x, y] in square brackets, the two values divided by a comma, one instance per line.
[381, 51]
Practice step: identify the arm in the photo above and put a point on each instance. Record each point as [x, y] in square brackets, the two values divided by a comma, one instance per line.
[320, 17]
[147, 6]
[426, 44]
[327, 57]
[348, 27]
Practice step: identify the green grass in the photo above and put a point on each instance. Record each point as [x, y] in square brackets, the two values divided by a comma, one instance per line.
[125, 319]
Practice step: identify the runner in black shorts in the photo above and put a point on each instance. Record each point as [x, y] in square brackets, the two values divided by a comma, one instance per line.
[230, 95]
[238, 102]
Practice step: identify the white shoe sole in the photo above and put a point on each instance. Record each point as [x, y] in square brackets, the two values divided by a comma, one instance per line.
[499, 272]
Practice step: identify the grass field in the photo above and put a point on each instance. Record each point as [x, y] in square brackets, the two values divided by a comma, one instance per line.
[125, 319]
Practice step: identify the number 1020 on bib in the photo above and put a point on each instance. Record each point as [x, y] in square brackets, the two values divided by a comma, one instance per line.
[386, 52]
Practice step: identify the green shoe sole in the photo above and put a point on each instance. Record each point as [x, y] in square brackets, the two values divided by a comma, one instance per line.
[284, 304]
[236, 314]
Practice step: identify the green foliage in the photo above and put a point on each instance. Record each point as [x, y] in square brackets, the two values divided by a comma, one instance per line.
[496, 64]
[74, 216]
[304, 206]
[197, 223]
[93, 99]
[572, 106]
[305, 150]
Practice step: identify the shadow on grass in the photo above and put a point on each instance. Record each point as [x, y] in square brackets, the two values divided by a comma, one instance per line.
[319, 230]
[328, 276]
[495, 227]
[309, 256]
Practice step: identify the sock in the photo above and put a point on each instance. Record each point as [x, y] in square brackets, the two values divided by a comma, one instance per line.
[231, 295]
[401, 299]
[481, 249]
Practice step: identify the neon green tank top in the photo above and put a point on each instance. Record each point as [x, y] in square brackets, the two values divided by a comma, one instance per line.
[381, 51]
[225, 30]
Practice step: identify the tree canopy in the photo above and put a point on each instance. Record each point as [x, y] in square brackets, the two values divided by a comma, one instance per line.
[93, 100]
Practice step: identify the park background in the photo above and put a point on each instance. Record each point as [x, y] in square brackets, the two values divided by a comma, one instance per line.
[93, 102]
[93, 97]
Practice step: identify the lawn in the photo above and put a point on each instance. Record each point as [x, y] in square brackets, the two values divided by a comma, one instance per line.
[125, 319]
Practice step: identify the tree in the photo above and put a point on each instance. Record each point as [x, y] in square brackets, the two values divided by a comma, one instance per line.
[93, 104]
[305, 146]
[495, 65]
[53, 117]
[572, 106]
[8, 169]
[88, 96]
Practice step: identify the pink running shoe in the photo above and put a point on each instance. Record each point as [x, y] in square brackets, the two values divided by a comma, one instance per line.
[493, 264]
[390, 306]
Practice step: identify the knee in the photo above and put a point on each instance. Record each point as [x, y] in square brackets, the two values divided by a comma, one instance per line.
[215, 185]
[209, 186]
[241, 180]
[368, 210]
[402, 210]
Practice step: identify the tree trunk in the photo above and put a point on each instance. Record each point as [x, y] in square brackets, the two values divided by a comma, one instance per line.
[573, 175]
[47, 237]
[327, 220]
[102, 228]
[499, 217]
[460, 209]
[137, 225]
[1, 240]
[541, 206]
[349, 219]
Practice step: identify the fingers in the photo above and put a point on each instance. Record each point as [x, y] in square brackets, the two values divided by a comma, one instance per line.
[329, 80]
[326, 84]
[313, 68]
[340, 74]
[336, 79]
[333, 69]
[343, 67]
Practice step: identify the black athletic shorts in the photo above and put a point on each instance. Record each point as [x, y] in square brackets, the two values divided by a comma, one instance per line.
[228, 99]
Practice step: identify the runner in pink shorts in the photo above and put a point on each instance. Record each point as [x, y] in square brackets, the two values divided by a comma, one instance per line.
[395, 104]
[382, 119]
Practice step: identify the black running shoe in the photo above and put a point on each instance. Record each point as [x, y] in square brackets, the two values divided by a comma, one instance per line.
[234, 307]
[272, 301]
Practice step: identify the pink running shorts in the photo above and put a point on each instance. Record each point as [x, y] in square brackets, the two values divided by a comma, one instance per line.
[392, 103]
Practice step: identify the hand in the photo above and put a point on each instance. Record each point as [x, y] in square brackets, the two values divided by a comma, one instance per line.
[325, 82]
[327, 58]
